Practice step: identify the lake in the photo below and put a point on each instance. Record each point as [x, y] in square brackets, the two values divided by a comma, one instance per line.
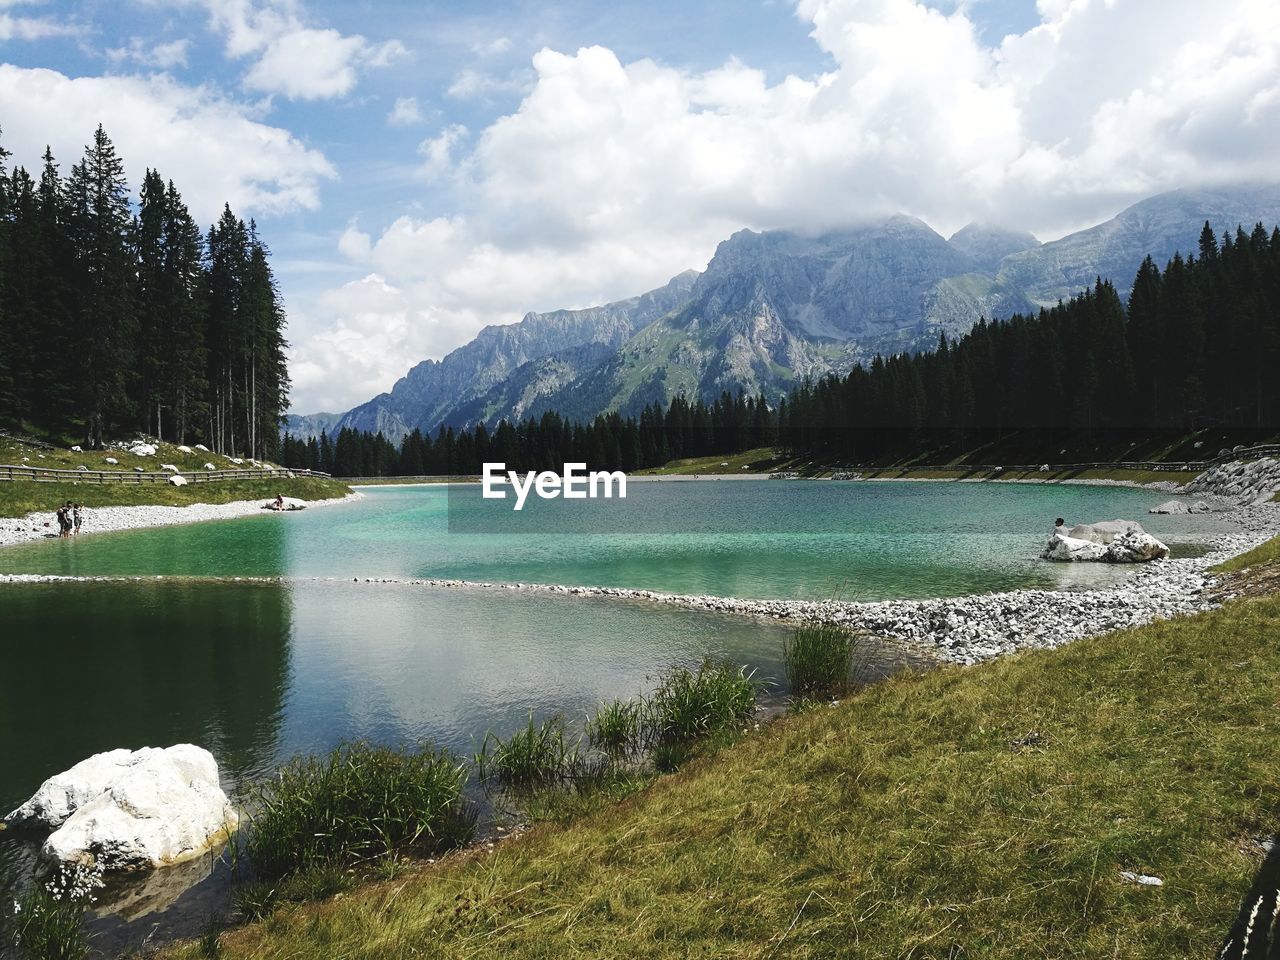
[261, 671]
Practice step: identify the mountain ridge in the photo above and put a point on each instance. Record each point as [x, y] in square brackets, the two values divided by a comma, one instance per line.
[775, 307]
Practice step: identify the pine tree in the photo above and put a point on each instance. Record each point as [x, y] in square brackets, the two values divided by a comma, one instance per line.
[101, 287]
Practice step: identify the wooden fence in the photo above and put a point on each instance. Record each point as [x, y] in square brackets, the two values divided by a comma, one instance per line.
[50, 475]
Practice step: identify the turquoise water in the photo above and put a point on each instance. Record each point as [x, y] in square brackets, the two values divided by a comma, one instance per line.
[261, 671]
[741, 538]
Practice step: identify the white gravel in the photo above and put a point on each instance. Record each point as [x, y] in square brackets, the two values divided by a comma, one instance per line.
[44, 525]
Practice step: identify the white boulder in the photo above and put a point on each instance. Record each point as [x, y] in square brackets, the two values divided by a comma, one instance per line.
[141, 449]
[210, 466]
[83, 468]
[1061, 547]
[1110, 541]
[202, 448]
[1171, 507]
[112, 460]
[1135, 548]
[178, 480]
[169, 466]
[1104, 531]
[76, 449]
[183, 448]
[131, 810]
[138, 469]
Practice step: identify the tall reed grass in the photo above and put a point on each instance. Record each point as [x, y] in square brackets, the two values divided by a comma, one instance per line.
[823, 659]
[692, 703]
[358, 803]
[534, 756]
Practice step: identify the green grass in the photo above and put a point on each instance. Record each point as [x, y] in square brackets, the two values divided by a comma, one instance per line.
[978, 812]
[63, 458]
[760, 460]
[357, 804]
[688, 704]
[822, 659]
[43, 927]
[536, 755]
[1264, 553]
[20, 497]
[616, 727]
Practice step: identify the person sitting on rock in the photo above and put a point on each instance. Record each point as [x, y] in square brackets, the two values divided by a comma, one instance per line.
[1060, 527]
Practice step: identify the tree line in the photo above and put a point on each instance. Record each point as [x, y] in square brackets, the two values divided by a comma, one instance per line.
[119, 318]
[1195, 345]
[683, 429]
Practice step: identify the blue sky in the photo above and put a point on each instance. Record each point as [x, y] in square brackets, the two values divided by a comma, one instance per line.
[422, 169]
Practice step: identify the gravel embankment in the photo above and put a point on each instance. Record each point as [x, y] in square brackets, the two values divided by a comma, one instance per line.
[41, 526]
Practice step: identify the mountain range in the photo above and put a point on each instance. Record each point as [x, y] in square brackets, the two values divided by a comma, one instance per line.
[776, 307]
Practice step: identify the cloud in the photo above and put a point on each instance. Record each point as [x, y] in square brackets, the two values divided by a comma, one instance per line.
[438, 150]
[35, 28]
[472, 84]
[215, 152]
[298, 61]
[492, 48]
[162, 56]
[609, 177]
[405, 113]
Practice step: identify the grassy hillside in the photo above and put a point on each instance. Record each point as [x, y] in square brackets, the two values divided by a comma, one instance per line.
[63, 458]
[22, 497]
[981, 812]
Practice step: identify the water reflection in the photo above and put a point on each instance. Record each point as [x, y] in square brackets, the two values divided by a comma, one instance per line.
[95, 666]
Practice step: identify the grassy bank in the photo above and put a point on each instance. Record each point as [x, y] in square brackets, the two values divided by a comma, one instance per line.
[20, 497]
[760, 460]
[63, 458]
[980, 812]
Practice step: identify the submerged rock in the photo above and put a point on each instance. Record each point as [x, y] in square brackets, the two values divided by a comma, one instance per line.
[132, 810]
[1179, 507]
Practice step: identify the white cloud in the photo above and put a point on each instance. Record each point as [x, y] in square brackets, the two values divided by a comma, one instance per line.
[472, 84]
[293, 59]
[438, 151]
[35, 28]
[610, 177]
[405, 113]
[492, 48]
[210, 146]
[163, 56]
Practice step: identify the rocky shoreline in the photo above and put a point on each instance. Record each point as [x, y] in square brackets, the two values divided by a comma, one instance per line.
[41, 526]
